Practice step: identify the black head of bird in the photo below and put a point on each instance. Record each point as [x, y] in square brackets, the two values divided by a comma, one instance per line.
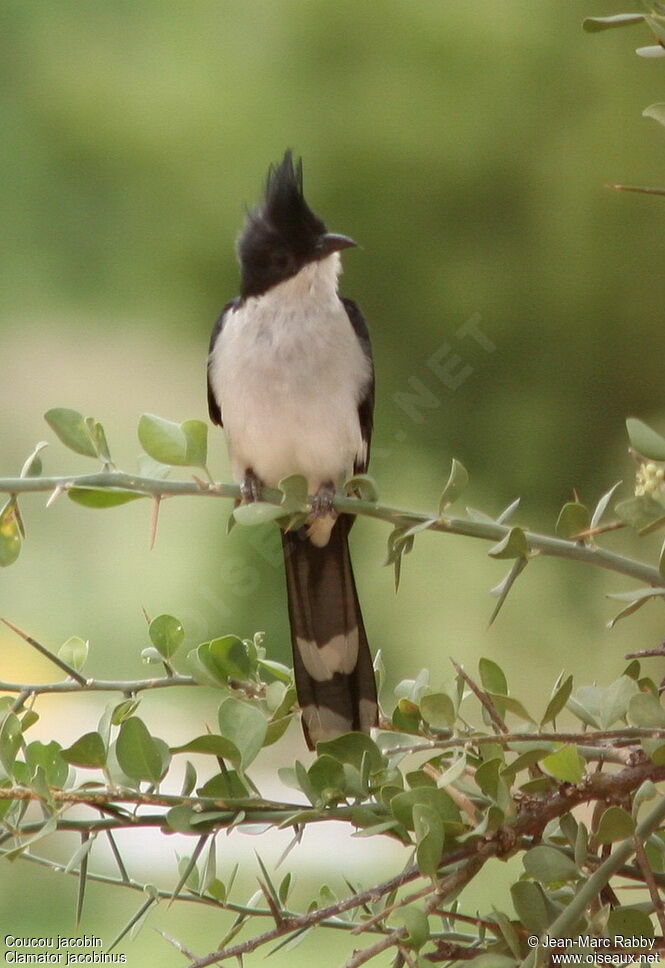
[282, 235]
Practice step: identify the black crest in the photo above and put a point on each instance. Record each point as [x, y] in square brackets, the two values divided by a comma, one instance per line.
[282, 234]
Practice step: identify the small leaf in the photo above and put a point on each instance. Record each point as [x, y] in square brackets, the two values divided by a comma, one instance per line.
[503, 588]
[10, 534]
[428, 828]
[493, 677]
[87, 751]
[614, 703]
[74, 652]
[10, 741]
[70, 427]
[352, 748]
[163, 440]
[595, 24]
[558, 701]
[548, 865]
[166, 634]
[33, 465]
[642, 513]
[294, 494]
[565, 764]
[258, 512]
[124, 710]
[416, 924]
[629, 922]
[245, 726]
[602, 505]
[364, 486]
[573, 518]
[108, 497]
[646, 711]
[615, 824]
[456, 483]
[196, 442]
[531, 906]
[643, 439]
[512, 545]
[438, 710]
[137, 752]
[213, 745]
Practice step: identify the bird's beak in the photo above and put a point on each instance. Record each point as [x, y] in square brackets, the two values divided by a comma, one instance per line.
[333, 243]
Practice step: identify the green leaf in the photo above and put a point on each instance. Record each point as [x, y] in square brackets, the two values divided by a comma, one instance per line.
[137, 752]
[512, 545]
[642, 513]
[33, 464]
[225, 786]
[10, 741]
[166, 634]
[245, 726]
[70, 427]
[573, 518]
[108, 497]
[456, 483]
[615, 699]
[595, 24]
[10, 534]
[416, 923]
[602, 505]
[585, 704]
[629, 922]
[428, 828]
[558, 701]
[294, 494]
[438, 710]
[646, 711]
[352, 748]
[229, 656]
[402, 805]
[87, 751]
[502, 589]
[615, 824]
[163, 440]
[531, 906]
[493, 677]
[327, 778]
[258, 512]
[74, 652]
[213, 745]
[364, 486]
[98, 438]
[565, 764]
[549, 866]
[48, 756]
[196, 438]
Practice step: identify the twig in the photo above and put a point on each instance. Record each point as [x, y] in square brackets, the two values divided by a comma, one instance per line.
[612, 736]
[482, 697]
[484, 530]
[127, 686]
[56, 660]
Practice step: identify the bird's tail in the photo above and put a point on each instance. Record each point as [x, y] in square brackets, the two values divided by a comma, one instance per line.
[331, 658]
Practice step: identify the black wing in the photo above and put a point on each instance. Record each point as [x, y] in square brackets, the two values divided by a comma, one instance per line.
[366, 405]
[213, 406]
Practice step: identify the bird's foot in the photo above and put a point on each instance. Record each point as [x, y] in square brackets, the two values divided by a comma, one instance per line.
[323, 502]
[250, 487]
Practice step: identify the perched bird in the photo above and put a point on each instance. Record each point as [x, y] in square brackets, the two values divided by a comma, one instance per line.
[291, 380]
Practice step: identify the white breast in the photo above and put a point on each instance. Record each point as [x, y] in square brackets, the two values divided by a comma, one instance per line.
[288, 373]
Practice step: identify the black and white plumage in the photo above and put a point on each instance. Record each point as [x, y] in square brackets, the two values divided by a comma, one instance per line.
[291, 379]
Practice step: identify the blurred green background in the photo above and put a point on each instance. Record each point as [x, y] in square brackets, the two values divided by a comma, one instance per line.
[468, 148]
